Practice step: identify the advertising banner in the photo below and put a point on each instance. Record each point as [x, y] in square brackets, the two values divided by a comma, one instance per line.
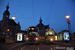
[66, 36]
[19, 36]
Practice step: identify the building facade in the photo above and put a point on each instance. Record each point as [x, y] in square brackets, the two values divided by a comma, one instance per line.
[42, 28]
[8, 26]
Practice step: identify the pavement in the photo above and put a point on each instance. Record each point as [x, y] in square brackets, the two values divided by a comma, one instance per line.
[72, 44]
[4, 46]
[68, 44]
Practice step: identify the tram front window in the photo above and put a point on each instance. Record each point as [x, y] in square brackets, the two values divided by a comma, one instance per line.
[29, 35]
[33, 35]
[32, 30]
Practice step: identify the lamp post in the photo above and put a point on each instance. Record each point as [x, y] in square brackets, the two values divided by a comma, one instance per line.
[13, 18]
[69, 26]
[8, 32]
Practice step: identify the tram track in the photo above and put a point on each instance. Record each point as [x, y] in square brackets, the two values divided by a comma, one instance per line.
[38, 47]
[56, 46]
[23, 47]
[17, 47]
[34, 46]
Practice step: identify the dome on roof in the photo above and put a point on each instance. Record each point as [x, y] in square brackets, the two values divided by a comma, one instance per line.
[40, 24]
[7, 12]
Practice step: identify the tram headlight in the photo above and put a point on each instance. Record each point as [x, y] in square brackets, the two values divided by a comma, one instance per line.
[51, 39]
[27, 38]
[36, 38]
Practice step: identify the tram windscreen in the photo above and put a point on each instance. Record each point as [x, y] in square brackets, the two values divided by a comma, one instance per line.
[33, 29]
[33, 35]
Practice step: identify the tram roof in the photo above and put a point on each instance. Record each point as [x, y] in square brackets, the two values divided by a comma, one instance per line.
[32, 27]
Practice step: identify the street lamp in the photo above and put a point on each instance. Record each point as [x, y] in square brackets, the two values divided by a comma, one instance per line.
[69, 25]
[68, 21]
[67, 16]
[13, 18]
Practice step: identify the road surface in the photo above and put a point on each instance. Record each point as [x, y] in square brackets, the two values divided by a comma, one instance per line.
[43, 47]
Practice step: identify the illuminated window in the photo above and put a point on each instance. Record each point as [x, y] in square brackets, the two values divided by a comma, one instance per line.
[46, 33]
[32, 28]
[15, 34]
[50, 33]
[7, 29]
[55, 37]
[6, 15]
[24, 35]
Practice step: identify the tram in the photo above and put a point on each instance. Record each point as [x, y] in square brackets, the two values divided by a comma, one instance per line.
[32, 35]
[49, 36]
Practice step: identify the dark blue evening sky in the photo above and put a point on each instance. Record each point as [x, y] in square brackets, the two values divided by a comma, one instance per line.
[52, 12]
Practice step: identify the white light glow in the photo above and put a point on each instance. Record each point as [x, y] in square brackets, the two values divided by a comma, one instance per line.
[67, 16]
[26, 38]
[51, 39]
[13, 18]
[19, 36]
[36, 38]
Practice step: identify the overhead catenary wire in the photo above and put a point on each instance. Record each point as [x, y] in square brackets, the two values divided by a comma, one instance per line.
[50, 9]
[33, 12]
[50, 12]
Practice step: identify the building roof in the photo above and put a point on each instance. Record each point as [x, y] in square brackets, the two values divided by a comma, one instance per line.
[6, 11]
[12, 22]
[41, 25]
[32, 26]
[64, 31]
[46, 27]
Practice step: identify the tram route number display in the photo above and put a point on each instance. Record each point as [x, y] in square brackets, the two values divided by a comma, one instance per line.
[19, 36]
